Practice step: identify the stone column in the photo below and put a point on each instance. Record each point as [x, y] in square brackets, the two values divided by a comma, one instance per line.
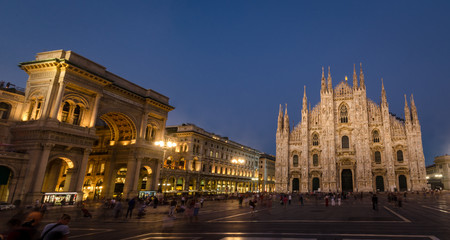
[37, 167]
[70, 184]
[94, 110]
[131, 179]
[58, 101]
[81, 173]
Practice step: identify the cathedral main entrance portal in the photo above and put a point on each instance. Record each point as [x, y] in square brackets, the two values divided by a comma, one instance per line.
[315, 184]
[379, 183]
[347, 180]
[295, 185]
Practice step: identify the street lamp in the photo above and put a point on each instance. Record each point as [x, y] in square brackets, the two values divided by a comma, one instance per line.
[165, 145]
[237, 162]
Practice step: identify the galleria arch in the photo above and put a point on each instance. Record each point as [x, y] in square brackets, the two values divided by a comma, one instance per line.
[85, 124]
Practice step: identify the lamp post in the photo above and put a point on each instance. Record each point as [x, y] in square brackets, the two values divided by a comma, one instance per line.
[165, 145]
[237, 162]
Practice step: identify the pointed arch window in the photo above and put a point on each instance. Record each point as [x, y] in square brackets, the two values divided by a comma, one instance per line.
[5, 109]
[295, 161]
[376, 136]
[377, 157]
[344, 114]
[400, 156]
[315, 139]
[345, 142]
[315, 160]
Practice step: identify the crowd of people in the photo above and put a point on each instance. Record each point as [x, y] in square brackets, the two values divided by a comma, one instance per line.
[24, 225]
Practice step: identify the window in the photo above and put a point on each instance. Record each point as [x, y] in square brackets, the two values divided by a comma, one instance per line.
[377, 157]
[315, 160]
[376, 136]
[399, 156]
[345, 142]
[295, 161]
[65, 112]
[76, 115]
[4, 110]
[315, 139]
[344, 114]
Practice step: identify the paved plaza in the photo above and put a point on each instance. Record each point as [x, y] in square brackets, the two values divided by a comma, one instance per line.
[419, 218]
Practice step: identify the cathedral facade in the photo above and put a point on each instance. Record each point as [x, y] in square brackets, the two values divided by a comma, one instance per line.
[349, 143]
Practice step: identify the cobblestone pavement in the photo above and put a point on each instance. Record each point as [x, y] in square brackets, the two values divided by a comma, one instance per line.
[419, 218]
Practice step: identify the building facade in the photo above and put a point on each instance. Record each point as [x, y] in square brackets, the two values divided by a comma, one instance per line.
[267, 173]
[208, 163]
[348, 142]
[438, 174]
[78, 131]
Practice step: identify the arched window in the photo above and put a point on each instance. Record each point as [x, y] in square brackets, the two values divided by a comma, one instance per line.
[76, 115]
[295, 161]
[315, 160]
[345, 142]
[377, 157]
[4, 110]
[376, 136]
[344, 114]
[181, 164]
[65, 112]
[400, 156]
[315, 139]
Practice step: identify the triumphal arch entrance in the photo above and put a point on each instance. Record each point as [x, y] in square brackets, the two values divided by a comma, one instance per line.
[79, 132]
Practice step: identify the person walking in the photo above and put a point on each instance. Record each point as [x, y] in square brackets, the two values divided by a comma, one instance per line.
[173, 206]
[196, 209]
[131, 205]
[58, 230]
[252, 206]
[290, 199]
[117, 208]
[301, 199]
[374, 202]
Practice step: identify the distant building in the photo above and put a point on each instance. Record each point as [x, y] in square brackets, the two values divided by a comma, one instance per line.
[438, 174]
[348, 142]
[267, 173]
[206, 162]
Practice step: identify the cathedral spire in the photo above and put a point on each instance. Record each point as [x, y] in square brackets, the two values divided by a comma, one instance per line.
[415, 118]
[286, 120]
[280, 119]
[305, 100]
[383, 94]
[355, 79]
[407, 112]
[322, 84]
[361, 77]
[330, 85]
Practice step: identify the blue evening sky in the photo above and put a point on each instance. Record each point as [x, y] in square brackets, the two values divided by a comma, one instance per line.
[227, 65]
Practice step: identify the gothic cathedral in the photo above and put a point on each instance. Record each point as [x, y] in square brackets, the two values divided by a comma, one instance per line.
[347, 142]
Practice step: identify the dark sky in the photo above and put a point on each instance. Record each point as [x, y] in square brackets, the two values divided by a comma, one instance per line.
[227, 65]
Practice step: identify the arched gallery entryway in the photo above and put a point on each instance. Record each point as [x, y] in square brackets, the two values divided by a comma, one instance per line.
[5, 180]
